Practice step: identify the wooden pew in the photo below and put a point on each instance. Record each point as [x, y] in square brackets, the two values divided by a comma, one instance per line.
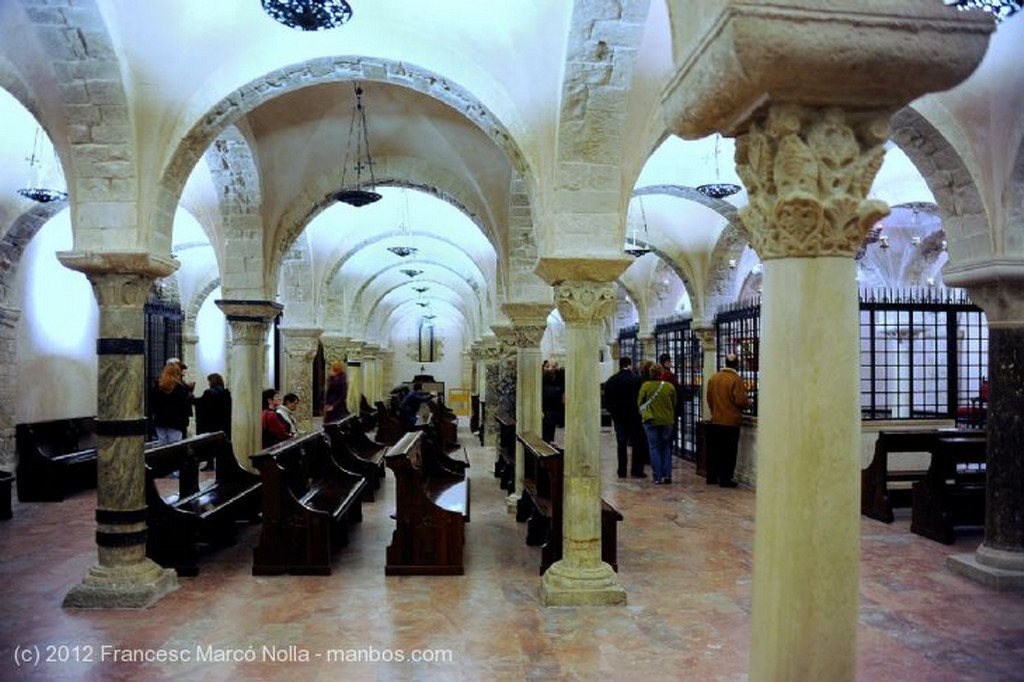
[884, 488]
[308, 502]
[354, 451]
[389, 426]
[505, 462]
[541, 504]
[6, 479]
[55, 458]
[430, 515]
[196, 514]
[952, 493]
[367, 413]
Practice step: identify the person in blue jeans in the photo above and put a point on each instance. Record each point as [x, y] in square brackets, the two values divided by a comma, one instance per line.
[657, 403]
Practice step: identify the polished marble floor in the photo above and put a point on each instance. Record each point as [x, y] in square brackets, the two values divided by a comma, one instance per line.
[685, 562]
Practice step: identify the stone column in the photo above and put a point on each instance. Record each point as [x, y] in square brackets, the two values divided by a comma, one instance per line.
[123, 577]
[355, 375]
[8, 385]
[249, 322]
[999, 561]
[371, 373]
[387, 371]
[489, 401]
[648, 351]
[708, 344]
[529, 322]
[188, 356]
[299, 346]
[808, 171]
[580, 577]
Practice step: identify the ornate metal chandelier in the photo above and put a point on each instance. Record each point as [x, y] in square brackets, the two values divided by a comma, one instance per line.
[36, 192]
[309, 15]
[359, 138]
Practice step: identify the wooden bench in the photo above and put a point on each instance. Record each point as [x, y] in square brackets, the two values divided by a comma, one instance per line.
[884, 487]
[441, 460]
[308, 502]
[197, 513]
[430, 515]
[367, 413]
[6, 479]
[952, 493]
[354, 451]
[505, 462]
[389, 427]
[55, 458]
[541, 504]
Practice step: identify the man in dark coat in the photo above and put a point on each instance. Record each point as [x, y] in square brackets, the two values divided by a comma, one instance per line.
[620, 392]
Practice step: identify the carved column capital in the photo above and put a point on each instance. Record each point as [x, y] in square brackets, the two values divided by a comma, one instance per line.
[300, 343]
[706, 336]
[1001, 301]
[335, 348]
[584, 301]
[807, 171]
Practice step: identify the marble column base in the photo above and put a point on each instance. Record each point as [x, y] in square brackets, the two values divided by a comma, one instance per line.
[563, 585]
[136, 586]
[1001, 570]
[512, 502]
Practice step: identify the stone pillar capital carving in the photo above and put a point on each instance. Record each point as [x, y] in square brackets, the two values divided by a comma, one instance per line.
[1001, 301]
[584, 301]
[249, 310]
[807, 171]
[335, 348]
[706, 336]
[300, 343]
[528, 314]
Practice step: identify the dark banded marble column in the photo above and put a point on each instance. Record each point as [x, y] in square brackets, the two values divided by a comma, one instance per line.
[999, 561]
[124, 576]
[249, 322]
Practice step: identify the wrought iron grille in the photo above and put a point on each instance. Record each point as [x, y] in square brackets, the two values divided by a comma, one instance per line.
[924, 355]
[163, 337]
[678, 340]
[629, 346]
[738, 330]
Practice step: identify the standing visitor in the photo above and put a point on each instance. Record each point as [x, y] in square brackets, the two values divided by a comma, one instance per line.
[170, 405]
[336, 397]
[620, 399]
[727, 396]
[657, 403]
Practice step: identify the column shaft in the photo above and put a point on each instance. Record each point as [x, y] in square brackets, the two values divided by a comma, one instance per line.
[807, 536]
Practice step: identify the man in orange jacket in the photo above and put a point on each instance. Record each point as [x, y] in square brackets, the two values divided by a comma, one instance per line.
[727, 396]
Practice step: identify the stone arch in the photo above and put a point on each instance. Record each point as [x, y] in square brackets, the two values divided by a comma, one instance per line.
[315, 72]
[473, 316]
[236, 179]
[1014, 239]
[730, 245]
[950, 181]
[191, 310]
[84, 64]
[14, 241]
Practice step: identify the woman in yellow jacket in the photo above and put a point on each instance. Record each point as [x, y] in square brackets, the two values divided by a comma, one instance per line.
[657, 403]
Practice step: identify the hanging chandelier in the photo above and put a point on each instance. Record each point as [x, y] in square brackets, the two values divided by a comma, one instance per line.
[359, 137]
[403, 250]
[309, 15]
[1001, 9]
[718, 189]
[634, 246]
[36, 192]
[410, 273]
